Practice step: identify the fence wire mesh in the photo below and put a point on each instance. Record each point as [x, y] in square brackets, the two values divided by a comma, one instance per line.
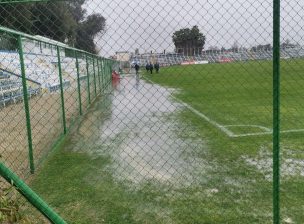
[151, 111]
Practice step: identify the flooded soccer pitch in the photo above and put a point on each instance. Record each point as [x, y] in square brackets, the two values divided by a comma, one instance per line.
[137, 127]
[140, 156]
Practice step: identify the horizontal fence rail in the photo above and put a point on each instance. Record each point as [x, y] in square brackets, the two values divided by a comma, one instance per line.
[30, 195]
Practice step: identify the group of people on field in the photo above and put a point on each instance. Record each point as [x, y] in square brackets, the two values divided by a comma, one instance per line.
[149, 67]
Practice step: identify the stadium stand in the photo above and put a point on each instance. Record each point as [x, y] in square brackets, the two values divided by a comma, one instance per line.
[216, 56]
[11, 90]
[41, 73]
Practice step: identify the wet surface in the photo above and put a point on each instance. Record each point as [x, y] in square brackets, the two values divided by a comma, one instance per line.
[291, 164]
[138, 128]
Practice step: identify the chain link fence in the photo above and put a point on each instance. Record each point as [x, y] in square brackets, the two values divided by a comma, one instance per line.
[153, 111]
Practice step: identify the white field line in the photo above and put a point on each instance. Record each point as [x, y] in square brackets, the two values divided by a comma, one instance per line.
[252, 134]
[254, 126]
[223, 128]
[219, 126]
[267, 133]
[292, 130]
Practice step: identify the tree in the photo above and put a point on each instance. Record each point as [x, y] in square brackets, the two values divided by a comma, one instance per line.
[76, 9]
[88, 27]
[16, 16]
[189, 41]
[64, 21]
[67, 22]
[88, 30]
[54, 20]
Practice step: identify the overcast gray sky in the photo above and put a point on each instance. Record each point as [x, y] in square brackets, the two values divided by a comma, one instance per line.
[149, 24]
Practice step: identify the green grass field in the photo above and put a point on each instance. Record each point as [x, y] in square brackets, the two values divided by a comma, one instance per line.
[229, 108]
[239, 95]
[236, 102]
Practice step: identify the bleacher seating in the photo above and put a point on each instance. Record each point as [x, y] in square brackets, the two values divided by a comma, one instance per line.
[41, 71]
[11, 89]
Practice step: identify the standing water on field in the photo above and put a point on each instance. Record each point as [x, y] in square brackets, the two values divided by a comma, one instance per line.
[137, 127]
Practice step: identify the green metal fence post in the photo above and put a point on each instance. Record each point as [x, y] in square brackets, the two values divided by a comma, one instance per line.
[103, 75]
[26, 106]
[276, 111]
[98, 71]
[78, 83]
[61, 91]
[88, 79]
[110, 70]
[95, 87]
[30, 195]
[107, 72]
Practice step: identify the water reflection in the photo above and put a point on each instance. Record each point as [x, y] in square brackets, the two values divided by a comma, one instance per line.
[136, 126]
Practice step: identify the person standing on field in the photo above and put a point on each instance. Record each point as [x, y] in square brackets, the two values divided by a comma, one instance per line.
[136, 68]
[151, 67]
[156, 66]
[147, 67]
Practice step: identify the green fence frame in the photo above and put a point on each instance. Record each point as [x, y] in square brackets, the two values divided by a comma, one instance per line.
[30, 195]
[78, 84]
[106, 74]
[26, 106]
[88, 80]
[94, 75]
[88, 57]
[61, 91]
[5, 172]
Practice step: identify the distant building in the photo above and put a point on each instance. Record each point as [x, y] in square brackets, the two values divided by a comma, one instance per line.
[124, 59]
[123, 56]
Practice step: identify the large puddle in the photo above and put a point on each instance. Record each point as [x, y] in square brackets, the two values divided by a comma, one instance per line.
[137, 127]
